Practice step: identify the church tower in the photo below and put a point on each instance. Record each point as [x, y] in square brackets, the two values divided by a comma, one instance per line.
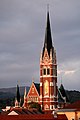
[48, 72]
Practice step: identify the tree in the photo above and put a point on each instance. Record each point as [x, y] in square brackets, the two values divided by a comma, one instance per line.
[34, 105]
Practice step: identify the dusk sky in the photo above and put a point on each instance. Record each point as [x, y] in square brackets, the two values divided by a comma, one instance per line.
[22, 32]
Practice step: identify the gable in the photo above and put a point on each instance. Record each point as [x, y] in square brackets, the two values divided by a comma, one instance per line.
[13, 113]
[33, 91]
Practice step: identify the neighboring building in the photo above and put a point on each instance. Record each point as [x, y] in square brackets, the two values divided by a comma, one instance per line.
[33, 117]
[6, 109]
[45, 93]
[72, 111]
[19, 113]
[63, 99]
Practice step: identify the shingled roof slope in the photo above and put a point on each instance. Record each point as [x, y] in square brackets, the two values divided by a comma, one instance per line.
[37, 85]
[75, 105]
[62, 94]
[33, 117]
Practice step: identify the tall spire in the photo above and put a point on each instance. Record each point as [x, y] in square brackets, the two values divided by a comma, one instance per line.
[48, 38]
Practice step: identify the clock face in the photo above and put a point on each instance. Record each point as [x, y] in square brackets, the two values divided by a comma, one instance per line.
[46, 88]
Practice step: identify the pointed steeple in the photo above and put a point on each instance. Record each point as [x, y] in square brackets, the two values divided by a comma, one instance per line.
[17, 99]
[48, 38]
[18, 94]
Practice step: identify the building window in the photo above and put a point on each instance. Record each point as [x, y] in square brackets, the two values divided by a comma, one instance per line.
[46, 107]
[37, 99]
[48, 71]
[46, 88]
[44, 71]
[32, 90]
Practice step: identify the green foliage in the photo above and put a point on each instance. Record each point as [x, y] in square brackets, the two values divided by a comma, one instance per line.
[6, 102]
[34, 105]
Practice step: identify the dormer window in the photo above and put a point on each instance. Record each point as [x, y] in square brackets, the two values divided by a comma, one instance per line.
[32, 90]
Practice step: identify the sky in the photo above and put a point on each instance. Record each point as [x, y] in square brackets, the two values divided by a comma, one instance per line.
[22, 31]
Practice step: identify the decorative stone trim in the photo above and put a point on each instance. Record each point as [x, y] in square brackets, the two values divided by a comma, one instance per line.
[40, 83]
[51, 84]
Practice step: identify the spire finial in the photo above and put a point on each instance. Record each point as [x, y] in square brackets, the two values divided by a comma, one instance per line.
[61, 79]
[18, 82]
[48, 7]
[32, 79]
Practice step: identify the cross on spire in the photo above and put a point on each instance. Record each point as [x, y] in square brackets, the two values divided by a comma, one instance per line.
[47, 7]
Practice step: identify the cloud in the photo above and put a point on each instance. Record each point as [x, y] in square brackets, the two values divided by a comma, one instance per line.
[66, 72]
[69, 72]
[22, 29]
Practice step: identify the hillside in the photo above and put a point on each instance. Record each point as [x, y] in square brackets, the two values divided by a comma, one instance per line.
[12, 91]
[73, 95]
[7, 96]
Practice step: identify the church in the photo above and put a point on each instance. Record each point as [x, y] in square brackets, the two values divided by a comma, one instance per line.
[46, 92]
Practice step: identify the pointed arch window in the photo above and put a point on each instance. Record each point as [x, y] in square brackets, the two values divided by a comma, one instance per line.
[46, 71]
[46, 88]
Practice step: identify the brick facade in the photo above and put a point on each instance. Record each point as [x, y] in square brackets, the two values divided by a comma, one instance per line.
[47, 93]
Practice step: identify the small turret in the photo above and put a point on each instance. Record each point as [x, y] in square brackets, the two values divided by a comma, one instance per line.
[17, 99]
[25, 98]
[25, 93]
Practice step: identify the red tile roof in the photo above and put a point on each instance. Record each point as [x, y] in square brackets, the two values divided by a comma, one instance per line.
[75, 105]
[33, 117]
[25, 111]
[32, 114]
